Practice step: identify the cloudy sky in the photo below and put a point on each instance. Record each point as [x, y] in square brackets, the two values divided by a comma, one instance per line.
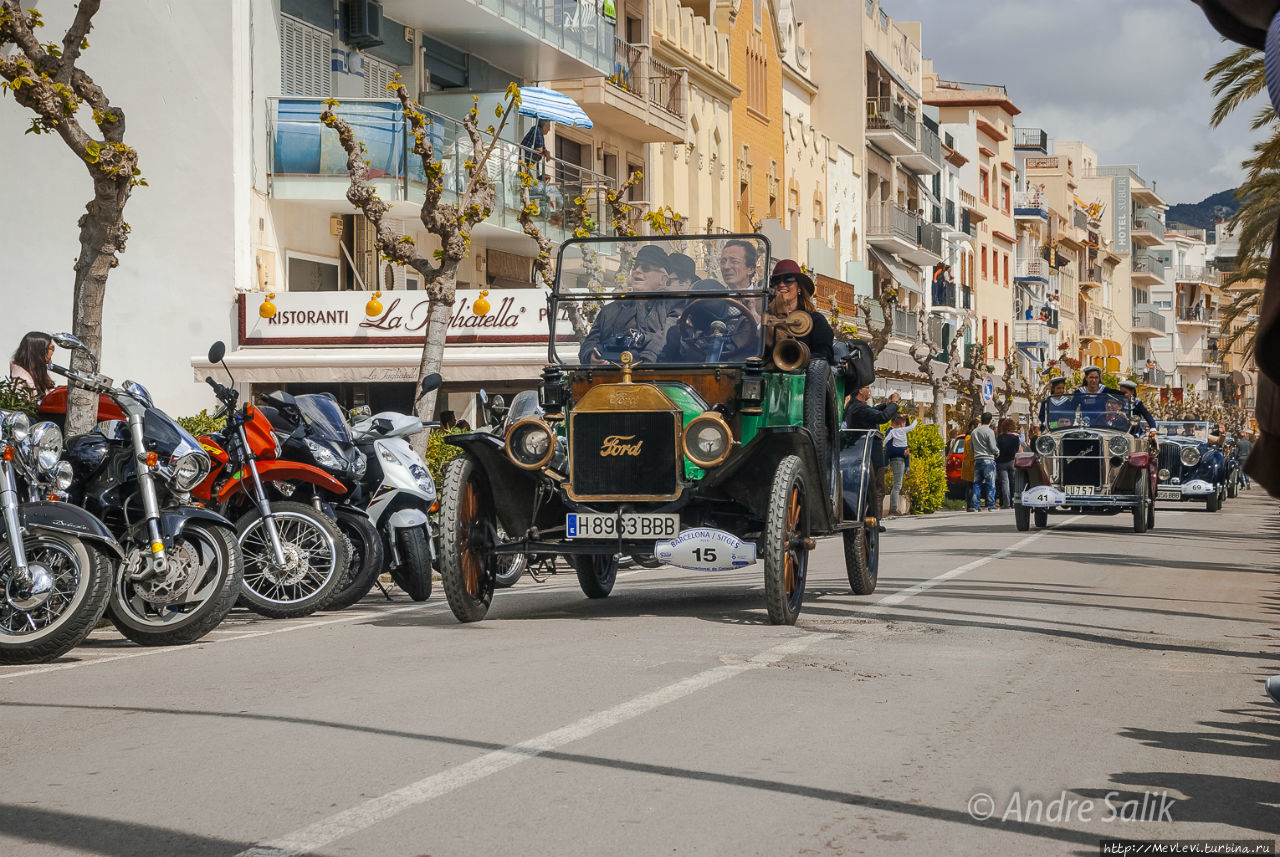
[1125, 76]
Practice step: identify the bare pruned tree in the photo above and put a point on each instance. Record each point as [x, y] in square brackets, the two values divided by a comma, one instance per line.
[879, 336]
[939, 375]
[46, 79]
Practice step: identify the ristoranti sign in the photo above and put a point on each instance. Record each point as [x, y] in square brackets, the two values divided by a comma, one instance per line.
[338, 318]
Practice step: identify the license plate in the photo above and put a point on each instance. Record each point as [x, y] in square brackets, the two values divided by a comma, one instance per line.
[1169, 495]
[634, 525]
[1078, 489]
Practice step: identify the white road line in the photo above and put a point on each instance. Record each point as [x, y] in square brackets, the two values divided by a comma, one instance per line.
[328, 830]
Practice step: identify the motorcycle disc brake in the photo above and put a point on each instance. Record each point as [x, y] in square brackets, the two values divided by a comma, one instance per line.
[169, 585]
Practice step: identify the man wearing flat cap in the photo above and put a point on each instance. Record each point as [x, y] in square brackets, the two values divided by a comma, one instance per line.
[639, 326]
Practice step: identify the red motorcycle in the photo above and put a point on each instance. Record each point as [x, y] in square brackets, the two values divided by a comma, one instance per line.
[294, 554]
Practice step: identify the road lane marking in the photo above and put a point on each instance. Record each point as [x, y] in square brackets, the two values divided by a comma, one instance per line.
[328, 830]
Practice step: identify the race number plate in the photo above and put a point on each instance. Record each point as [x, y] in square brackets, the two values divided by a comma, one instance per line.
[1168, 494]
[705, 549]
[1042, 497]
[633, 526]
[1079, 489]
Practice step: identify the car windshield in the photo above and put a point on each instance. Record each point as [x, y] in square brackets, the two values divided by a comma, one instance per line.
[324, 414]
[683, 300]
[1184, 428]
[1090, 410]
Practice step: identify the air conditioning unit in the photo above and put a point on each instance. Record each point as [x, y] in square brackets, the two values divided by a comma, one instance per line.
[362, 23]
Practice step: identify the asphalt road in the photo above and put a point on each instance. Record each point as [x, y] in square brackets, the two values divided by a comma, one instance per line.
[1082, 671]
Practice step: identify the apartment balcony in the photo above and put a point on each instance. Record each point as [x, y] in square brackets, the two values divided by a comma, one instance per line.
[531, 39]
[1198, 275]
[893, 126]
[905, 325]
[896, 230]
[955, 298]
[1080, 218]
[1197, 316]
[1148, 324]
[1153, 376]
[1091, 328]
[305, 162]
[642, 98]
[1030, 140]
[1031, 334]
[1033, 270]
[1091, 278]
[1030, 205]
[1148, 228]
[926, 159]
[1147, 270]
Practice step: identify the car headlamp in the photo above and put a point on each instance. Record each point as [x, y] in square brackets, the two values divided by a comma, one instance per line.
[61, 476]
[707, 440]
[45, 445]
[1163, 475]
[530, 443]
[324, 456]
[1045, 444]
[1118, 444]
[1190, 456]
[189, 470]
[16, 426]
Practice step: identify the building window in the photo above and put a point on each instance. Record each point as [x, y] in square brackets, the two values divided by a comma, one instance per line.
[1004, 196]
[309, 273]
[304, 58]
[984, 261]
[757, 73]
[377, 77]
[1006, 341]
[636, 194]
[1006, 269]
[984, 185]
[984, 334]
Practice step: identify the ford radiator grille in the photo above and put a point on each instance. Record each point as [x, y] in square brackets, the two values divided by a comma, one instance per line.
[622, 454]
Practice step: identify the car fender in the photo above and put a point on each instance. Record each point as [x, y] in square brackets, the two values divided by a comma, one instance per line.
[72, 520]
[514, 503]
[736, 478]
[281, 471]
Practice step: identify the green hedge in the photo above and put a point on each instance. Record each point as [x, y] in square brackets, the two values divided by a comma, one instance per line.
[925, 482]
[202, 423]
[439, 454]
[17, 396]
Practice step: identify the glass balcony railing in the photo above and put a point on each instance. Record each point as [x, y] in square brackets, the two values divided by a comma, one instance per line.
[1143, 263]
[577, 29]
[1148, 220]
[930, 144]
[1148, 319]
[306, 161]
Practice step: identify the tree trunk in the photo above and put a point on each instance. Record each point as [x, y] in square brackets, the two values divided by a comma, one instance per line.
[102, 234]
[940, 412]
[438, 314]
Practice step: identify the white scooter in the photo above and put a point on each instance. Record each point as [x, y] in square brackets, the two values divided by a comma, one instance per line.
[401, 494]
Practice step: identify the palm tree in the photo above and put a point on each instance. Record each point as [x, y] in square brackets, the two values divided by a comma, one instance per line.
[1238, 78]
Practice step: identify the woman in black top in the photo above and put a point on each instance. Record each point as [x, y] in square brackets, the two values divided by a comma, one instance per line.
[1008, 443]
[793, 289]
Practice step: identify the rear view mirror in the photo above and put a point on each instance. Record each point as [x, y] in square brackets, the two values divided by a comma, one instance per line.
[217, 351]
[66, 340]
[429, 383]
[360, 413]
[382, 425]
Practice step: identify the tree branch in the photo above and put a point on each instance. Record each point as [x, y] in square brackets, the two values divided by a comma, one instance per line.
[75, 37]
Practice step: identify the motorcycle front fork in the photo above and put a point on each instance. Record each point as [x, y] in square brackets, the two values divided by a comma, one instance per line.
[268, 516]
[13, 525]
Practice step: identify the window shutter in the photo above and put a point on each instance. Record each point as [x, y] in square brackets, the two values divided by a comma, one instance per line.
[377, 76]
[304, 58]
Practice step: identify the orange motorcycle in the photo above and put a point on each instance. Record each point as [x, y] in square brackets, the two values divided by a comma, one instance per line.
[295, 556]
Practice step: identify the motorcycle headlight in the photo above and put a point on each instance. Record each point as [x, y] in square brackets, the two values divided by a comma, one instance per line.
[425, 484]
[1190, 456]
[16, 426]
[530, 443]
[1118, 444]
[1045, 444]
[707, 440]
[361, 464]
[1163, 475]
[61, 476]
[324, 456]
[189, 470]
[45, 444]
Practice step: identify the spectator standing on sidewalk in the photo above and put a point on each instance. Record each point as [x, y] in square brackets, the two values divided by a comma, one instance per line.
[1009, 442]
[985, 449]
[966, 466]
[899, 457]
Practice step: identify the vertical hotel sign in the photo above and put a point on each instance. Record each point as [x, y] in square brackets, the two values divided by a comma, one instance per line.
[1121, 207]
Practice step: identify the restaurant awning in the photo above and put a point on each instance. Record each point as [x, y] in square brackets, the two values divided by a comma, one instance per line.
[896, 270]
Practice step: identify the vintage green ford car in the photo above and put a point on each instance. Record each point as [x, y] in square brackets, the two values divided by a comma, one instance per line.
[681, 423]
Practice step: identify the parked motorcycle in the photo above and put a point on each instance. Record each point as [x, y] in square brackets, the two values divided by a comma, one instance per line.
[181, 567]
[294, 553]
[313, 430]
[56, 560]
[401, 494]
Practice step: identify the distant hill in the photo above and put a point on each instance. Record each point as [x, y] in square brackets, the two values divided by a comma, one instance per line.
[1204, 213]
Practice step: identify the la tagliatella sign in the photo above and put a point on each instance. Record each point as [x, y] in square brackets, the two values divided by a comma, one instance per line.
[339, 318]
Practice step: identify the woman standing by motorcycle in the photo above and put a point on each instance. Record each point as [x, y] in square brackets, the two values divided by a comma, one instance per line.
[29, 363]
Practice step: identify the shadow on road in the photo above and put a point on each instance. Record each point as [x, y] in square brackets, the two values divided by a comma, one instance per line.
[87, 834]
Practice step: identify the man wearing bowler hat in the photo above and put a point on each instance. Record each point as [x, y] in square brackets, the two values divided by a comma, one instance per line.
[639, 326]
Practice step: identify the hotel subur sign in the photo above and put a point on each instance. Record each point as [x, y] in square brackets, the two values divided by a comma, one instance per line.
[339, 318]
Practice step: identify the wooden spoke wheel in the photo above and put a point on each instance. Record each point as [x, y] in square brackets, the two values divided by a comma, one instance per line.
[786, 541]
[467, 535]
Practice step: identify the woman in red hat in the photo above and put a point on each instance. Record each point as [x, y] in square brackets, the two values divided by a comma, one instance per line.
[793, 289]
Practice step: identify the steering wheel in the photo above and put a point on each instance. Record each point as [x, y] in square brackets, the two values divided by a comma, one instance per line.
[714, 328]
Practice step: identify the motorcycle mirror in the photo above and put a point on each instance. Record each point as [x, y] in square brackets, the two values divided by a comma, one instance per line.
[360, 412]
[217, 351]
[429, 383]
[382, 425]
[66, 340]
[484, 397]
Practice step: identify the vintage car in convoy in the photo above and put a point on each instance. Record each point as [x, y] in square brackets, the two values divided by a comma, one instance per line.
[1090, 459]
[1193, 466]
[716, 446]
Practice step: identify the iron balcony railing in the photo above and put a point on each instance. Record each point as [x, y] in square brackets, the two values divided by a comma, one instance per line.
[1030, 138]
[1032, 269]
[636, 71]
[955, 296]
[887, 114]
[302, 148]
[1079, 218]
[1148, 319]
[1031, 333]
[1152, 265]
[930, 146]
[1197, 312]
[951, 212]
[1198, 274]
[1030, 202]
[889, 218]
[967, 226]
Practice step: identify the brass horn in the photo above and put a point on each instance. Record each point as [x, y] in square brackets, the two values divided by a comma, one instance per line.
[790, 354]
[798, 322]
